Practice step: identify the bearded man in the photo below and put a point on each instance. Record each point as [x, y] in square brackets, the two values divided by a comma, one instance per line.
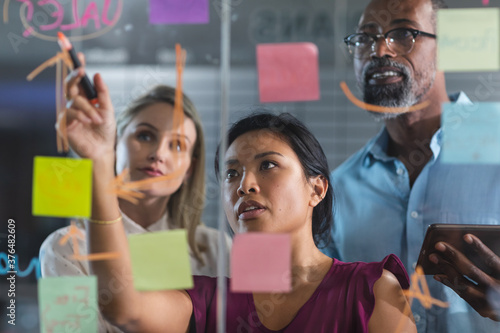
[396, 185]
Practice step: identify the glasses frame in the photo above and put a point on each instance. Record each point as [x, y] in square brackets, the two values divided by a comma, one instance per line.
[376, 37]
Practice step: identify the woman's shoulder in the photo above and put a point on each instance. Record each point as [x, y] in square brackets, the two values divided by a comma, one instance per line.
[388, 281]
[59, 236]
[353, 286]
[207, 240]
[370, 272]
[57, 251]
[206, 235]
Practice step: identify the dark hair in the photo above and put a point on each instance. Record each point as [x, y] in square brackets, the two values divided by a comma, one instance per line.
[309, 152]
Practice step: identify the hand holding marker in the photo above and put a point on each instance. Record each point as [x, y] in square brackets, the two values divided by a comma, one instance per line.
[87, 86]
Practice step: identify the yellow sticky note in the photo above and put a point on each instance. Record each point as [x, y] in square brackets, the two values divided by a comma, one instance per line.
[62, 187]
[160, 260]
[468, 39]
[68, 304]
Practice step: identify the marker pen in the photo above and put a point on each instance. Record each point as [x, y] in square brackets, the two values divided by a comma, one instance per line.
[87, 86]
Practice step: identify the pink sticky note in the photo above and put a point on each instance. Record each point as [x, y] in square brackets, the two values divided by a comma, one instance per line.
[261, 262]
[486, 2]
[288, 72]
[178, 11]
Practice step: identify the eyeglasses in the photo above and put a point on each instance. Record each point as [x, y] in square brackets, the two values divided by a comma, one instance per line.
[399, 41]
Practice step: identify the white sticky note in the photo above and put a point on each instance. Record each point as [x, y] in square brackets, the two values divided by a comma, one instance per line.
[468, 39]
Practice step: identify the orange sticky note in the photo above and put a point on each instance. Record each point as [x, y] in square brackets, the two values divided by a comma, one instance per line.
[288, 72]
[261, 262]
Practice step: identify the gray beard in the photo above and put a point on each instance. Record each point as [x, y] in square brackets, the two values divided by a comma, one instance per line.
[394, 96]
[399, 95]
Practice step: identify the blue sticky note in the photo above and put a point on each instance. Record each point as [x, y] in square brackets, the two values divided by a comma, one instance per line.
[178, 11]
[471, 133]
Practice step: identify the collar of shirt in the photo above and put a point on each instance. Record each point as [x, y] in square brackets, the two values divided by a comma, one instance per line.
[377, 148]
[131, 227]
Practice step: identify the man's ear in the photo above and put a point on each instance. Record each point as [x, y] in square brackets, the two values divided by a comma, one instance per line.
[320, 187]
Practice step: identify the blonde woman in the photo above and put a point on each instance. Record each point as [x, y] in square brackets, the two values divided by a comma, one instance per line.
[148, 147]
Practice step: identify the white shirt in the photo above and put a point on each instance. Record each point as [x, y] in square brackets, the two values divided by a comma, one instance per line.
[55, 259]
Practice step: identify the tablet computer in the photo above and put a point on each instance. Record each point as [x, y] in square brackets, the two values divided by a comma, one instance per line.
[453, 234]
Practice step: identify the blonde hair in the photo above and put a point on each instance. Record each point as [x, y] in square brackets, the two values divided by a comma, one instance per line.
[186, 204]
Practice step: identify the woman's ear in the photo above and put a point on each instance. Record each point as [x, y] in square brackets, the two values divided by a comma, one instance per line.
[320, 187]
[190, 170]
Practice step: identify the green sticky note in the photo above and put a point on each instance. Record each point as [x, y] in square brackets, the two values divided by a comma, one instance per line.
[471, 133]
[68, 304]
[468, 39]
[160, 260]
[62, 187]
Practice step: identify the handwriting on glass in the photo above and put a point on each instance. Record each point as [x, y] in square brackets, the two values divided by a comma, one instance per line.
[80, 295]
[42, 16]
[62, 62]
[74, 234]
[418, 290]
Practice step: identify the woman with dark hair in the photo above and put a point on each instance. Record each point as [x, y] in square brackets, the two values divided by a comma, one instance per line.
[275, 181]
[308, 151]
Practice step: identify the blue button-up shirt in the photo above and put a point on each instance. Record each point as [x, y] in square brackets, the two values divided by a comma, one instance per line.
[377, 213]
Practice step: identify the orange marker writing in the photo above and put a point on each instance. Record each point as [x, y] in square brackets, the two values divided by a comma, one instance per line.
[377, 108]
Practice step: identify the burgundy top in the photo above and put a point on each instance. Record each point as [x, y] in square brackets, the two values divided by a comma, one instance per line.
[342, 302]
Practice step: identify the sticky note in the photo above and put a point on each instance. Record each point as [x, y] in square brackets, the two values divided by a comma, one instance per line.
[68, 304]
[62, 187]
[471, 133]
[178, 11]
[261, 262]
[160, 260]
[288, 72]
[468, 39]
